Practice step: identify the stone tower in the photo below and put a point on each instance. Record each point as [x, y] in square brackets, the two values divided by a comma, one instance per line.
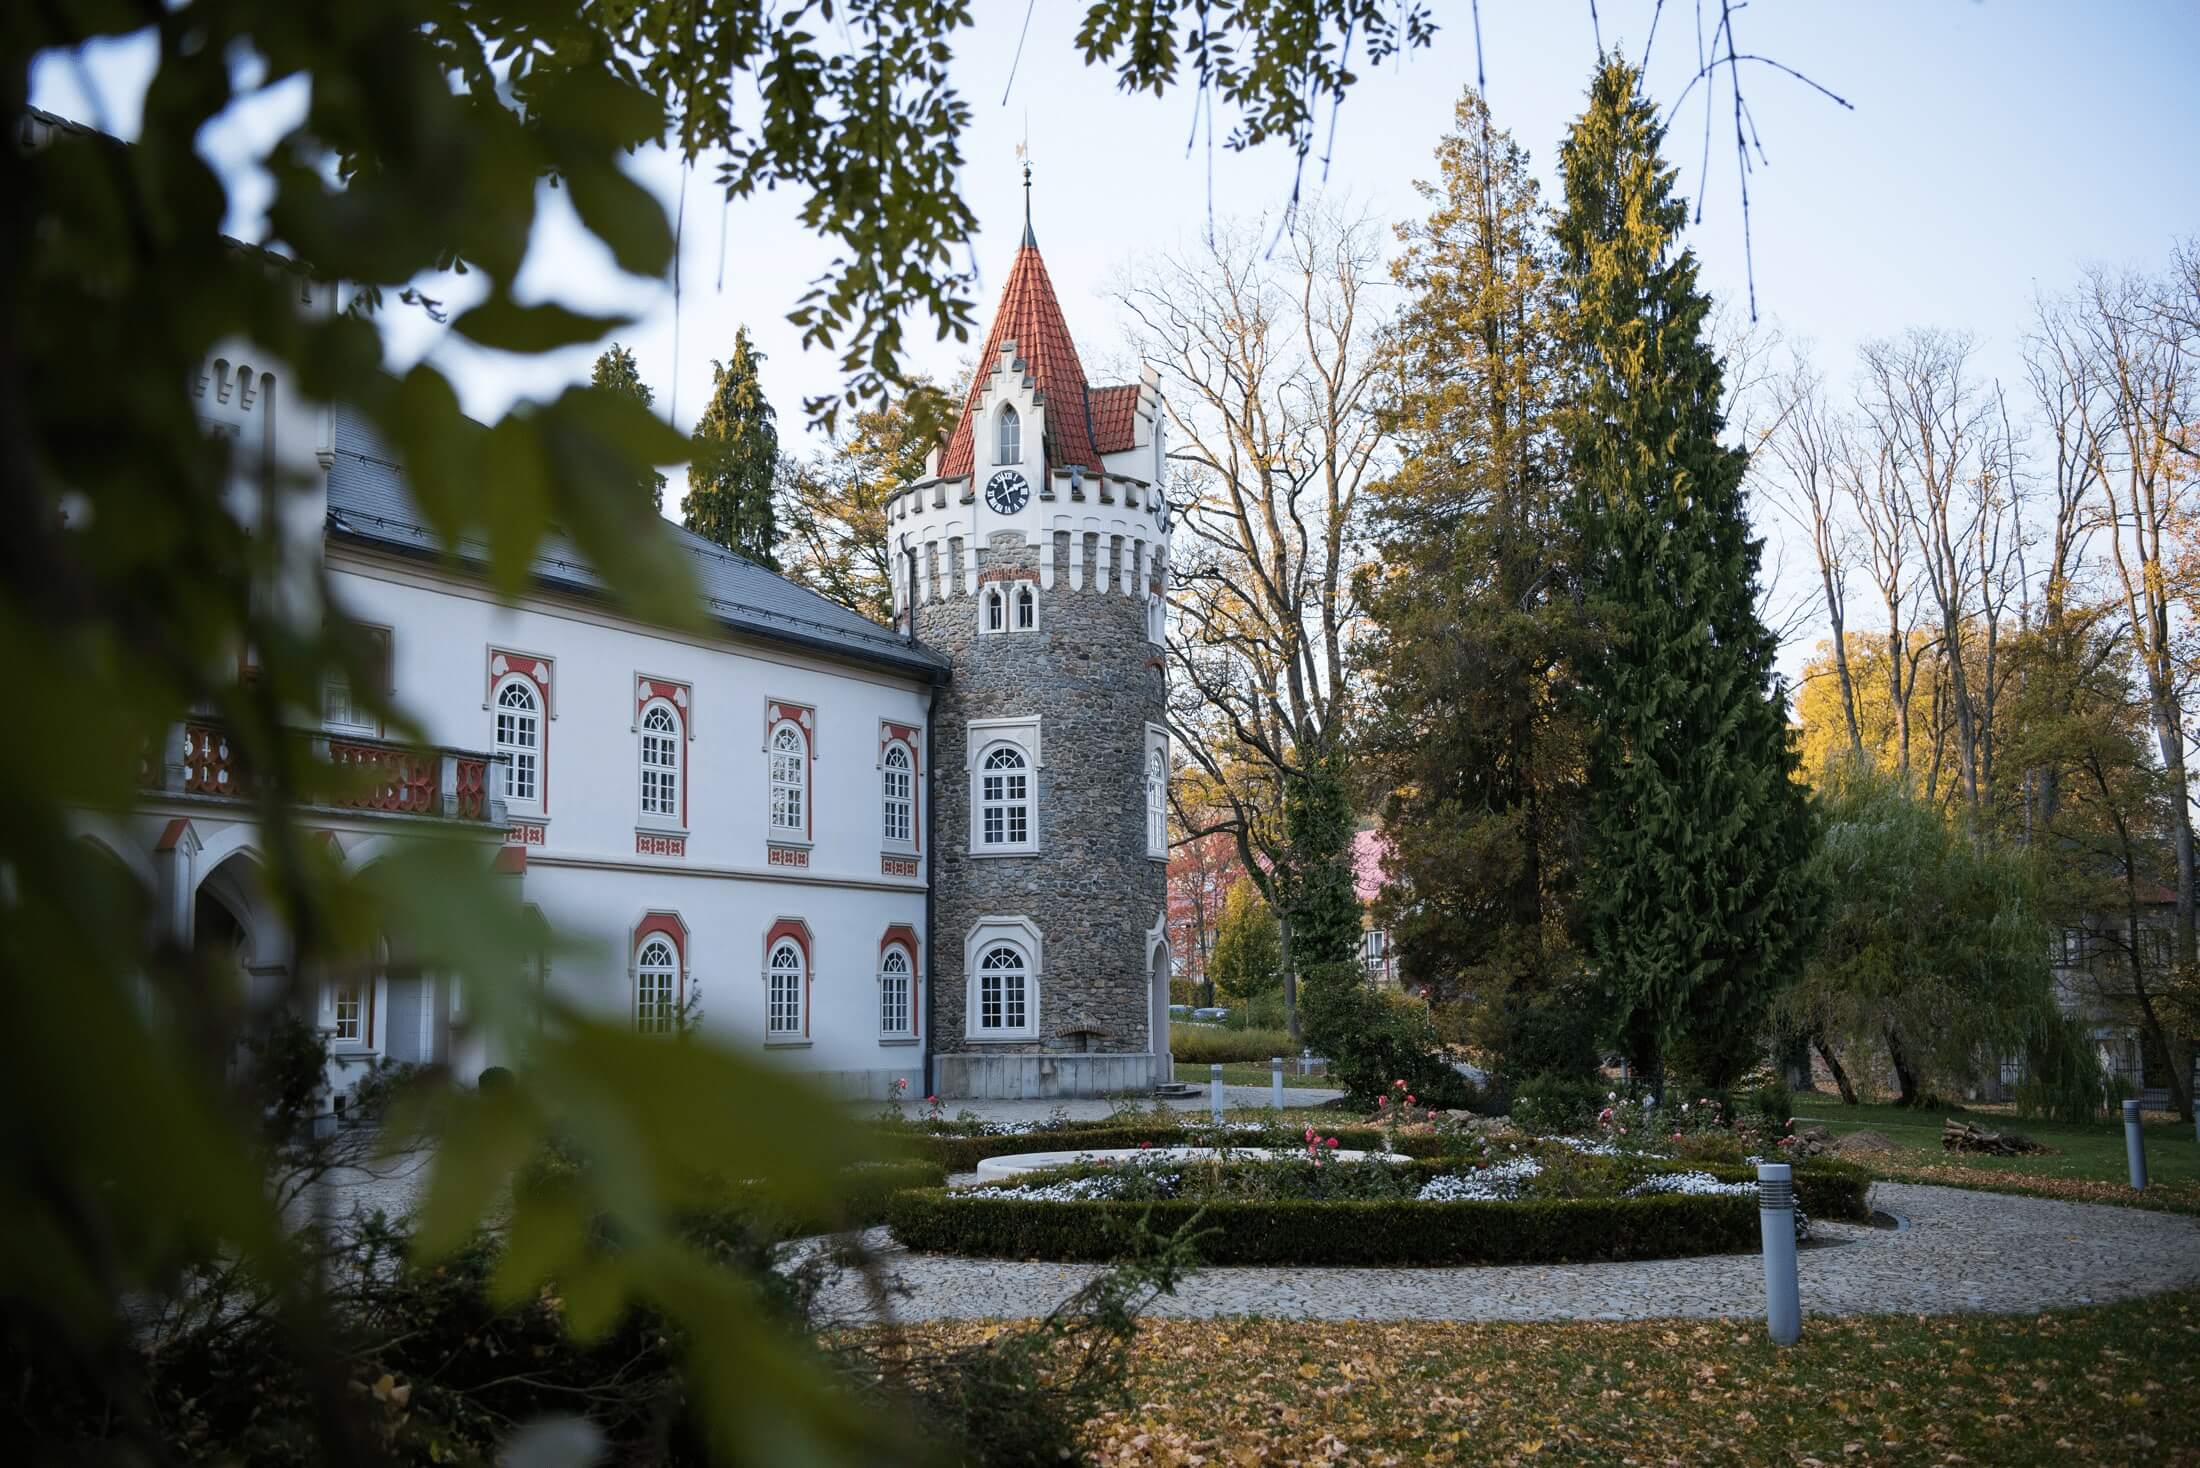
[1034, 556]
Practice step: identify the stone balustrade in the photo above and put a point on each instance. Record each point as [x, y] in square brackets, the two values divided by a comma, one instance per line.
[382, 776]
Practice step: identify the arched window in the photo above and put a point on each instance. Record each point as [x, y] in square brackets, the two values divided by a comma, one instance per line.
[899, 796]
[1157, 619]
[1012, 438]
[1157, 803]
[519, 735]
[783, 991]
[1027, 607]
[661, 762]
[993, 613]
[1004, 797]
[790, 788]
[896, 1012]
[1004, 989]
[656, 987]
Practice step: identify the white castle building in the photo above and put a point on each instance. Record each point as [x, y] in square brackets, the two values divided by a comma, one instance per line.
[872, 854]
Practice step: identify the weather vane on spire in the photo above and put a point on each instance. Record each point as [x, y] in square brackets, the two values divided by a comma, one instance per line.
[1023, 151]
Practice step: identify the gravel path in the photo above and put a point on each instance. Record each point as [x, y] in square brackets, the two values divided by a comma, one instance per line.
[1990, 1253]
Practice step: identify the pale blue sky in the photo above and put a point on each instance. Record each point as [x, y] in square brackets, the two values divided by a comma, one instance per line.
[1994, 147]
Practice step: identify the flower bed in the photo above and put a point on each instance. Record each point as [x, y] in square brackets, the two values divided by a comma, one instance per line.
[1530, 1207]
[962, 1152]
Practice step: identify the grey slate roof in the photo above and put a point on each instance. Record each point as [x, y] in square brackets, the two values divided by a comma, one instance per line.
[368, 502]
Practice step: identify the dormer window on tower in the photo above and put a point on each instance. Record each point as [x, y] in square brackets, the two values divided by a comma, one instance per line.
[1011, 437]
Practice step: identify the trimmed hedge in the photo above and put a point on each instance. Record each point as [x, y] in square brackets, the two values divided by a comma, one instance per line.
[1385, 1231]
[1527, 1231]
[1824, 1188]
[963, 1154]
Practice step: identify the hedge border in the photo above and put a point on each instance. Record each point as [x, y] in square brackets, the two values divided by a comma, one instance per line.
[1826, 1187]
[1335, 1233]
[1376, 1231]
[963, 1154]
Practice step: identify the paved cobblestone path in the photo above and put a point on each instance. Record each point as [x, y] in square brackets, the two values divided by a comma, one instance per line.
[1962, 1252]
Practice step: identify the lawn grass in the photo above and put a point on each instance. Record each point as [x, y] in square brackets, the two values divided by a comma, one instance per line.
[1251, 1075]
[2087, 1164]
[2107, 1384]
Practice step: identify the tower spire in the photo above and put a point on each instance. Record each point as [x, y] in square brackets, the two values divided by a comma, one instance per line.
[1023, 151]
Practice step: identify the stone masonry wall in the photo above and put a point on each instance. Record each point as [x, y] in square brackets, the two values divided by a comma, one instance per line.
[1094, 682]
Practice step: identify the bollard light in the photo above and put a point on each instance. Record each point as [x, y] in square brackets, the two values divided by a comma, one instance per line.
[1776, 1223]
[1275, 1081]
[2135, 1147]
[1214, 1092]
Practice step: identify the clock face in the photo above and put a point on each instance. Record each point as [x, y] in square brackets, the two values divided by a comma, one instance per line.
[1007, 492]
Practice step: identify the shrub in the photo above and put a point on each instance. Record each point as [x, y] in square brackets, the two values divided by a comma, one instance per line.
[1372, 1038]
[1355, 1231]
[1556, 1104]
[1206, 1044]
[1556, 1034]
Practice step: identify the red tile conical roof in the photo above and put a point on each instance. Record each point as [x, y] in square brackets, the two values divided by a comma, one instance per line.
[1030, 317]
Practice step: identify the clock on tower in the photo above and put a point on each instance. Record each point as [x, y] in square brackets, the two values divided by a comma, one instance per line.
[1007, 492]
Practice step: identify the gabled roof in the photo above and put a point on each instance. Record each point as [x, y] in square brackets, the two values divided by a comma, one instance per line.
[1031, 317]
[369, 502]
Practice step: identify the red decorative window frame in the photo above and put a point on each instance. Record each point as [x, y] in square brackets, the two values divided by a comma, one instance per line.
[799, 932]
[803, 716]
[910, 737]
[670, 927]
[904, 937]
[503, 664]
[648, 690]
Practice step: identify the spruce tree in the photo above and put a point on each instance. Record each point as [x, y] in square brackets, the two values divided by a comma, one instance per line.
[1472, 731]
[729, 496]
[1698, 905]
[616, 371]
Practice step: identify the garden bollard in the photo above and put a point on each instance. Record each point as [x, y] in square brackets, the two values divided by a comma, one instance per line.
[1214, 1092]
[2135, 1147]
[1776, 1222]
[1275, 1081]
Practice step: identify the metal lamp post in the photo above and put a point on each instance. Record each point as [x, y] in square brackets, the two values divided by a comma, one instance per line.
[1776, 1223]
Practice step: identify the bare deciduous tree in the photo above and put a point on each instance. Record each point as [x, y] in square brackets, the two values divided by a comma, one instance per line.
[1267, 346]
[2128, 360]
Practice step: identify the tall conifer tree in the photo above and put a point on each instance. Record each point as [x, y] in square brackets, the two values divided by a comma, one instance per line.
[1697, 901]
[617, 371]
[1473, 733]
[729, 496]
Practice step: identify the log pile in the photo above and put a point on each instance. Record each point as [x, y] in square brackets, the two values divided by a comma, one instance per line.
[1961, 1136]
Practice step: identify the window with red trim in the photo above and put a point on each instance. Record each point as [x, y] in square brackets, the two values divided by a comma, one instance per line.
[660, 974]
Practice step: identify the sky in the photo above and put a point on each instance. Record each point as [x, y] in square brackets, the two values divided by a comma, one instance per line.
[1992, 148]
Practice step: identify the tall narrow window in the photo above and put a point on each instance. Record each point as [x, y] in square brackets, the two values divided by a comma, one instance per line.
[349, 1000]
[894, 996]
[1157, 803]
[790, 790]
[1004, 990]
[783, 991]
[899, 797]
[1027, 607]
[660, 763]
[993, 611]
[1004, 798]
[1012, 438]
[519, 736]
[1157, 619]
[656, 988]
